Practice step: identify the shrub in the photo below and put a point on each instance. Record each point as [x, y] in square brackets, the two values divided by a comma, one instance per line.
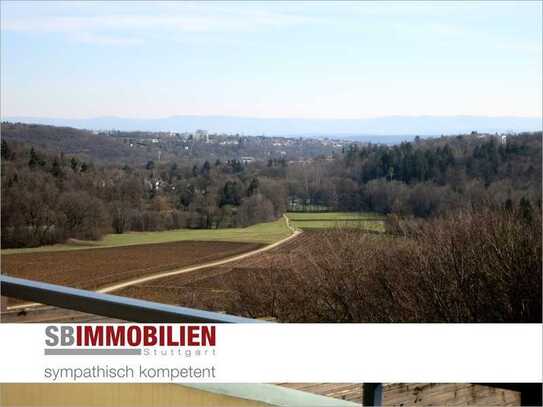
[470, 266]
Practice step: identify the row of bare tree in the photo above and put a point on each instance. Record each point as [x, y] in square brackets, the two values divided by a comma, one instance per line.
[469, 266]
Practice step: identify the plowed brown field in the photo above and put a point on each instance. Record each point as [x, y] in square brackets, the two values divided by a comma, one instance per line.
[211, 288]
[96, 268]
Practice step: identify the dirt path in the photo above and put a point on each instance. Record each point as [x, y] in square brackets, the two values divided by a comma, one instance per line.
[135, 281]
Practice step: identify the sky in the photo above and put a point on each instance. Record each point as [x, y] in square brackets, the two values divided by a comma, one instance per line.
[278, 59]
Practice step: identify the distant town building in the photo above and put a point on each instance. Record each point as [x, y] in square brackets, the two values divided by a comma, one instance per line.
[247, 160]
[201, 135]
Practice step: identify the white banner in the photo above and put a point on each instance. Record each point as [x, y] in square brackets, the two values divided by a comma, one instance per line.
[264, 353]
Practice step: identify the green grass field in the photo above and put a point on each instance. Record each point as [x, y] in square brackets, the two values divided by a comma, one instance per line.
[260, 233]
[333, 215]
[325, 220]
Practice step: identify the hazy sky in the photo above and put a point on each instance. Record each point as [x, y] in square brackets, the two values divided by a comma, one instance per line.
[330, 60]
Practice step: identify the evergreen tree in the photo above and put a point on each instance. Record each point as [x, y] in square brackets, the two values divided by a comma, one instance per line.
[35, 159]
[5, 151]
[231, 194]
[508, 206]
[526, 210]
[56, 169]
[74, 164]
[253, 187]
[205, 169]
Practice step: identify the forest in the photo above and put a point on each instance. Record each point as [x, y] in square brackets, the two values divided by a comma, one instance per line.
[426, 177]
[49, 197]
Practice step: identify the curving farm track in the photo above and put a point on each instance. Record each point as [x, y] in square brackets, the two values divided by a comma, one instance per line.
[135, 281]
[34, 307]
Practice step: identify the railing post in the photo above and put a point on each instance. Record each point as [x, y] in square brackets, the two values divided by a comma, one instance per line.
[3, 302]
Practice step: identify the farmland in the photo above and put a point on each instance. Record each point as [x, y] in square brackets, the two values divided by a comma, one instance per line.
[215, 288]
[118, 258]
[326, 220]
[92, 269]
[262, 233]
[329, 274]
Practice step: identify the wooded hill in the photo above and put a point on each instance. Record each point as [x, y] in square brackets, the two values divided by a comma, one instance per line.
[137, 147]
[83, 143]
[48, 198]
[52, 194]
[425, 177]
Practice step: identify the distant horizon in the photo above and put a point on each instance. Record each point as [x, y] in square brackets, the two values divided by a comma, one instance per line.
[378, 126]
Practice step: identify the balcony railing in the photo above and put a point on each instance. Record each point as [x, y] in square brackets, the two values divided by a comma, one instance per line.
[107, 305]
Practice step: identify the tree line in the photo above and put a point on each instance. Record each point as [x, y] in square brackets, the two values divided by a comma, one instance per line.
[48, 198]
[425, 177]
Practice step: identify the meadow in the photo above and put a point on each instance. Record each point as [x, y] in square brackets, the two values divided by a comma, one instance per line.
[263, 233]
[326, 220]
